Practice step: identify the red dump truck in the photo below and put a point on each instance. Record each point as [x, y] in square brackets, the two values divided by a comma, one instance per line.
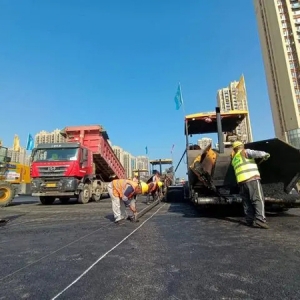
[79, 167]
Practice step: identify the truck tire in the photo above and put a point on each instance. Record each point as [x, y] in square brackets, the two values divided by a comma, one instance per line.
[84, 195]
[64, 200]
[47, 200]
[98, 193]
[7, 194]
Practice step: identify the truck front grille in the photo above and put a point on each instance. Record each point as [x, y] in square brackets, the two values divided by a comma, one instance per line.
[54, 171]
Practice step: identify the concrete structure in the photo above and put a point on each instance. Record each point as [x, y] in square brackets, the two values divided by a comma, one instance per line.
[234, 97]
[19, 156]
[204, 142]
[279, 32]
[142, 162]
[119, 153]
[49, 137]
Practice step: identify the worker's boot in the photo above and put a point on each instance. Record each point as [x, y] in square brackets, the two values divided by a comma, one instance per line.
[119, 222]
[261, 224]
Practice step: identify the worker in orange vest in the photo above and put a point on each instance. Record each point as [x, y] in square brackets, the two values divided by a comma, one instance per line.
[121, 192]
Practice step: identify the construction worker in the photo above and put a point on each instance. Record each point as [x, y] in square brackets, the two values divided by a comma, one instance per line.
[156, 177]
[136, 180]
[248, 179]
[153, 190]
[136, 177]
[121, 192]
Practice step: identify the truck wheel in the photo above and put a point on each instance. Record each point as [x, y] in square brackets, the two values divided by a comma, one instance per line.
[7, 194]
[98, 192]
[84, 195]
[64, 200]
[47, 200]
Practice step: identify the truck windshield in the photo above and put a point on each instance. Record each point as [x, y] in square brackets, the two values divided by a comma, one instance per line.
[61, 154]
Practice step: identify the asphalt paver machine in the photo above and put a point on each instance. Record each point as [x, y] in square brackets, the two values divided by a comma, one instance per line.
[211, 178]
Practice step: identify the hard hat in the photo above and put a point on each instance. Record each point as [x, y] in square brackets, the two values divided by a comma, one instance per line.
[160, 184]
[144, 187]
[136, 174]
[236, 144]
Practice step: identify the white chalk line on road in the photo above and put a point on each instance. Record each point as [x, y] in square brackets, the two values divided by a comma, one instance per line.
[45, 256]
[105, 254]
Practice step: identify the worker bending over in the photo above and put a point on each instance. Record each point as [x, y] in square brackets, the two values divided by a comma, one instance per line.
[136, 180]
[156, 177]
[248, 179]
[154, 190]
[122, 193]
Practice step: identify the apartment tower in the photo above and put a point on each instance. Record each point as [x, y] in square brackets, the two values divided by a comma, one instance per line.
[49, 137]
[279, 32]
[230, 98]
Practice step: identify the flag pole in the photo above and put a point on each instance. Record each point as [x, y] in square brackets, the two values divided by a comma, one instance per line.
[184, 116]
[182, 104]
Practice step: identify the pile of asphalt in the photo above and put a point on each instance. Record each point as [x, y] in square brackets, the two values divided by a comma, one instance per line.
[276, 191]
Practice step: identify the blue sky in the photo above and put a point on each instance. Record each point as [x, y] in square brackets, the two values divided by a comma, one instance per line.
[118, 63]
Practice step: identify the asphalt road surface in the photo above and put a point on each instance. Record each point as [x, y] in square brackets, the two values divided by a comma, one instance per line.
[76, 252]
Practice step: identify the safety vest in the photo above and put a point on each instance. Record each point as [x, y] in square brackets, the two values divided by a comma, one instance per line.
[119, 186]
[244, 168]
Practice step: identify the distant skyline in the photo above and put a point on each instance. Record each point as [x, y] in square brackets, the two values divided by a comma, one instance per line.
[118, 64]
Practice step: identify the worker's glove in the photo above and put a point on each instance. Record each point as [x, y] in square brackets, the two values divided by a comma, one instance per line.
[266, 157]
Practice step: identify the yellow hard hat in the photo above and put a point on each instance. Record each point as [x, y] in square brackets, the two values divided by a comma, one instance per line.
[144, 186]
[136, 174]
[236, 144]
[160, 184]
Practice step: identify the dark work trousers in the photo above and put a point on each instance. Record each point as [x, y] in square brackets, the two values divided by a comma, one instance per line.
[253, 201]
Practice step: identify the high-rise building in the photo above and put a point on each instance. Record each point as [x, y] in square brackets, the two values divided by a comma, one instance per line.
[119, 153]
[19, 156]
[127, 164]
[204, 142]
[128, 161]
[228, 99]
[142, 163]
[49, 137]
[279, 32]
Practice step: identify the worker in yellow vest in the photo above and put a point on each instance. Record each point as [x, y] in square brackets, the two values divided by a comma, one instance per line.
[248, 179]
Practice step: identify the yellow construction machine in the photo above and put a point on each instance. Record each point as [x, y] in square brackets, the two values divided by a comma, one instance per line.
[7, 190]
[211, 179]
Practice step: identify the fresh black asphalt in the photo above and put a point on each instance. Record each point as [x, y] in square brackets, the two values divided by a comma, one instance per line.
[175, 253]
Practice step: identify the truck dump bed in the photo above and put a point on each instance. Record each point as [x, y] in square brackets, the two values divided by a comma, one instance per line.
[95, 138]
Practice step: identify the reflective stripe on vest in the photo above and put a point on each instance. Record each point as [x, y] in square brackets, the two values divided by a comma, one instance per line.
[119, 186]
[244, 168]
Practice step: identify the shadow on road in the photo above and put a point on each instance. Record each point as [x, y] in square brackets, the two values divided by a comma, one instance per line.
[232, 213]
[3, 222]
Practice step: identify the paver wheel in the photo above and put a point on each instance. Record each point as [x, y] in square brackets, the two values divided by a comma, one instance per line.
[47, 200]
[7, 193]
[84, 196]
